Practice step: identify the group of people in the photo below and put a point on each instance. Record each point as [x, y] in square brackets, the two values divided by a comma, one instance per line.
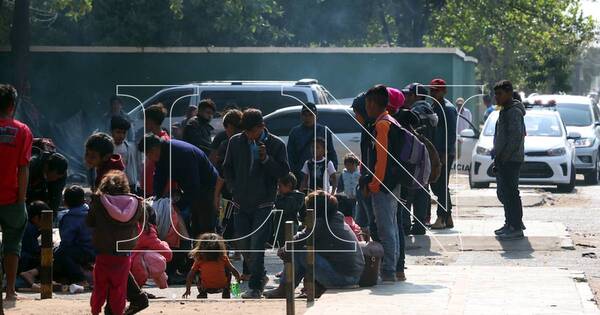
[241, 184]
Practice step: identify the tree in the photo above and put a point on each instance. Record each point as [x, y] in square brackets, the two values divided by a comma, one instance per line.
[533, 43]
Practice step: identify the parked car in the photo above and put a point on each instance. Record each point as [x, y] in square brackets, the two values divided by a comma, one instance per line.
[267, 96]
[549, 152]
[580, 116]
[338, 118]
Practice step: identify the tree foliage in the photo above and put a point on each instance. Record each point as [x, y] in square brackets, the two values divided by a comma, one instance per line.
[533, 43]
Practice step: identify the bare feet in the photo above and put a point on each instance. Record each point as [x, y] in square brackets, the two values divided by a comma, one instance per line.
[11, 296]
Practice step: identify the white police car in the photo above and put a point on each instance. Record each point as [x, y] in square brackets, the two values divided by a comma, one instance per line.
[549, 151]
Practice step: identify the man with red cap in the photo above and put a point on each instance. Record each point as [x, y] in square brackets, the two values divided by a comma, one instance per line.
[444, 140]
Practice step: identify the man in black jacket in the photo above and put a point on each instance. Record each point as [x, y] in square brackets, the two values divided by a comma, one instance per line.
[425, 122]
[255, 159]
[508, 154]
[197, 130]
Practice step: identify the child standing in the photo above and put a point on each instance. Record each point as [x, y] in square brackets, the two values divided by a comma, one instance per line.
[114, 214]
[349, 180]
[291, 201]
[213, 266]
[119, 127]
[75, 251]
[99, 156]
[319, 173]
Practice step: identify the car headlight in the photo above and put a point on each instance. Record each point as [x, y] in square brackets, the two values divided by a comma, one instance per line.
[584, 142]
[483, 151]
[557, 152]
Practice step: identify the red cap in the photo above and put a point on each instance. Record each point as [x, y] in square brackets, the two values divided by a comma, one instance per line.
[437, 84]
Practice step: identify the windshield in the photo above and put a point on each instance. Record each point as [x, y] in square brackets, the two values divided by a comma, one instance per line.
[536, 125]
[578, 115]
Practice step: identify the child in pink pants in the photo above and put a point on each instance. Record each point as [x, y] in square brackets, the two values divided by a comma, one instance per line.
[114, 214]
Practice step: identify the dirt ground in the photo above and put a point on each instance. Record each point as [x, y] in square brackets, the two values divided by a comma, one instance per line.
[78, 307]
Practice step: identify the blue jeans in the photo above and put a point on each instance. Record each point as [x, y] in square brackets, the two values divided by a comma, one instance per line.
[325, 273]
[364, 214]
[385, 208]
[247, 221]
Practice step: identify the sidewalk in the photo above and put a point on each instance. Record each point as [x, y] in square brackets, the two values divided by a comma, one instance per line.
[468, 290]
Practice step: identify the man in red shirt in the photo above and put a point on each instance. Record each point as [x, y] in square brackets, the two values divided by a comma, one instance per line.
[15, 153]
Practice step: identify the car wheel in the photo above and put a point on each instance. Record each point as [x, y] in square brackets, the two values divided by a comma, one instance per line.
[474, 185]
[591, 177]
[567, 188]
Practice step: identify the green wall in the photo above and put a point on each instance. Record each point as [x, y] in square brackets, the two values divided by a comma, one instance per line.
[64, 82]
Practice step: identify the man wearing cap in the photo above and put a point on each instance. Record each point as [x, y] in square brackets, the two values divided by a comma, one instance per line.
[444, 140]
[425, 124]
[303, 136]
[254, 160]
[198, 130]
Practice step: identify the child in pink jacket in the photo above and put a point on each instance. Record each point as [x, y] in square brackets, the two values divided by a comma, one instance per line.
[150, 256]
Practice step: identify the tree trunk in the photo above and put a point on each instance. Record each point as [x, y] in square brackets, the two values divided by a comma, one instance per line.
[384, 24]
[19, 42]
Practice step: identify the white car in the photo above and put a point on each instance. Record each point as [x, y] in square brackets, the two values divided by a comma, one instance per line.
[338, 118]
[549, 152]
[583, 118]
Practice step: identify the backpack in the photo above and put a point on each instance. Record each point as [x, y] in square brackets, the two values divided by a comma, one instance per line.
[434, 159]
[373, 253]
[415, 166]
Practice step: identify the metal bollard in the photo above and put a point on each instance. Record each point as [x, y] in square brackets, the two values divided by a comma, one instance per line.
[289, 269]
[309, 277]
[46, 259]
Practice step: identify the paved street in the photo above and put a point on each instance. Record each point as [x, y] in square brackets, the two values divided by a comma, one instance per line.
[470, 273]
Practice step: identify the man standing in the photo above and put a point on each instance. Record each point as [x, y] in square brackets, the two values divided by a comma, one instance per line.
[255, 159]
[187, 165]
[383, 188]
[302, 138]
[508, 154]
[444, 141]
[425, 125]
[15, 153]
[197, 130]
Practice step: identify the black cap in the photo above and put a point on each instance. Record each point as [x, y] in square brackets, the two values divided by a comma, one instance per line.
[309, 107]
[415, 88]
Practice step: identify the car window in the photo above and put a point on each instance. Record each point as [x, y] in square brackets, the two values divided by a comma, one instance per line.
[266, 101]
[182, 97]
[339, 121]
[280, 125]
[536, 126]
[578, 115]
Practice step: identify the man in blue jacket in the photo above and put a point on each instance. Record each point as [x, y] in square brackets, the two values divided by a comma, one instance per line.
[187, 165]
[444, 140]
[254, 161]
[303, 136]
